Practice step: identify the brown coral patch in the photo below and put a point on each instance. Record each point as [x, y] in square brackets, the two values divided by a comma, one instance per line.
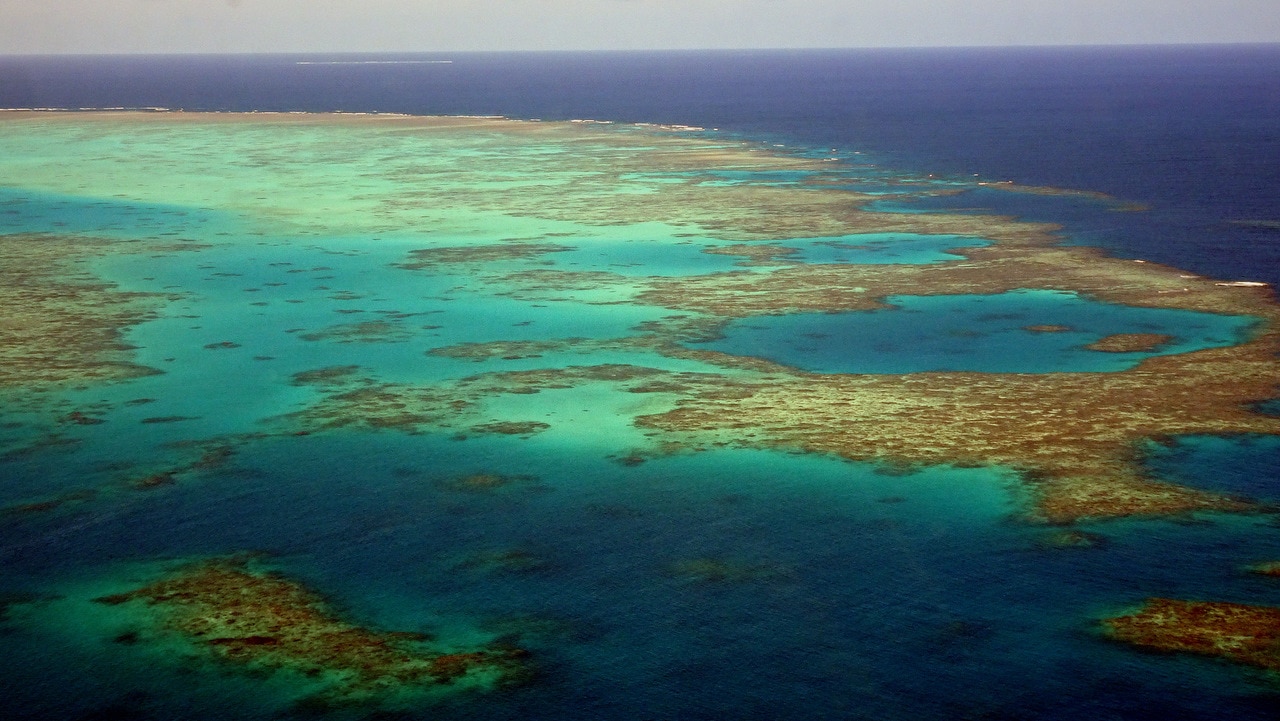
[373, 331]
[212, 454]
[1130, 343]
[331, 375]
[267, 621]
[1270, 568]
[62, 325]
[1070, 440]
[1068, 538]
[47, 443]
[512, 428]
[756, 254]
[36, 507]
[81, 418]
[986, 270]
[1236, 632]
[378, 406]
[1048, 328]
[1066, 432]
[474, 254]
[514, 349]
[155, 480]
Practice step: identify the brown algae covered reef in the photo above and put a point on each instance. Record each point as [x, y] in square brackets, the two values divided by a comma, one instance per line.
[492, 279]
[258, 619]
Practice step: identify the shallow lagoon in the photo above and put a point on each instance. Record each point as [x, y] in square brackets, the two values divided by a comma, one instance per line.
[1026, 331]
[882, 248]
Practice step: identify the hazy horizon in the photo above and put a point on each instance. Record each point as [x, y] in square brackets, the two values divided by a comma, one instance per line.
[606, 51]
[403, 26]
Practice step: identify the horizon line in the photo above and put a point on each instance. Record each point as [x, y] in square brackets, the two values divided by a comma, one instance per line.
[586, 51]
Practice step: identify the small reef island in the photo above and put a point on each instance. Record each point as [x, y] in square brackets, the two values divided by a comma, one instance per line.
[185, 292]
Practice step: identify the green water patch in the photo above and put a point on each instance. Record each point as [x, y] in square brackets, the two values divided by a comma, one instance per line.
[1023, 331]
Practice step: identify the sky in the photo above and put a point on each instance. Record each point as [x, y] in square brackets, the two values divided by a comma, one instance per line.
[203, 26]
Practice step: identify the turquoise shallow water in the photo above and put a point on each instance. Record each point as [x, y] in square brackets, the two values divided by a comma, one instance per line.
[986, 333]
[844, 590]
[24, 210]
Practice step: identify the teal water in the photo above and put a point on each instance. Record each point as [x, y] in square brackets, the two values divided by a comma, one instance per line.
[644, 249]
[984, 333]
[882, 248]
[24, 210]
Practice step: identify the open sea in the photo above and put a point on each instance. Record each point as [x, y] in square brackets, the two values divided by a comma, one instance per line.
[726, 584]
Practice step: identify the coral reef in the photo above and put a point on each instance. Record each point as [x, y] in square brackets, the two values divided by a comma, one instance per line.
[475, 254]
[1067, 538]
[1047, 328]
[34, 507]
[986, 270]
[1065, 432]
[1130, 342]
[512, 428]
[1270, 568]
[1236, 632]
[262, 620]
[373, 331]
[757, 254]
[61, 325]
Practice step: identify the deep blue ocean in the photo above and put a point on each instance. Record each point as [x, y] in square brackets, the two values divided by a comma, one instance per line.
[865, 593]
[1193, 132]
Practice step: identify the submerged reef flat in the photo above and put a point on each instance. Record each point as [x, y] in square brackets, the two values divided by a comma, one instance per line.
[1270, 568]
[991, 270]
[1130, 342]
[1075, 446]
[569, 182]
[373, 331]
[261, 620]
[62, 325]
[427, 258]
[1236, 632]
[1073, 442]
